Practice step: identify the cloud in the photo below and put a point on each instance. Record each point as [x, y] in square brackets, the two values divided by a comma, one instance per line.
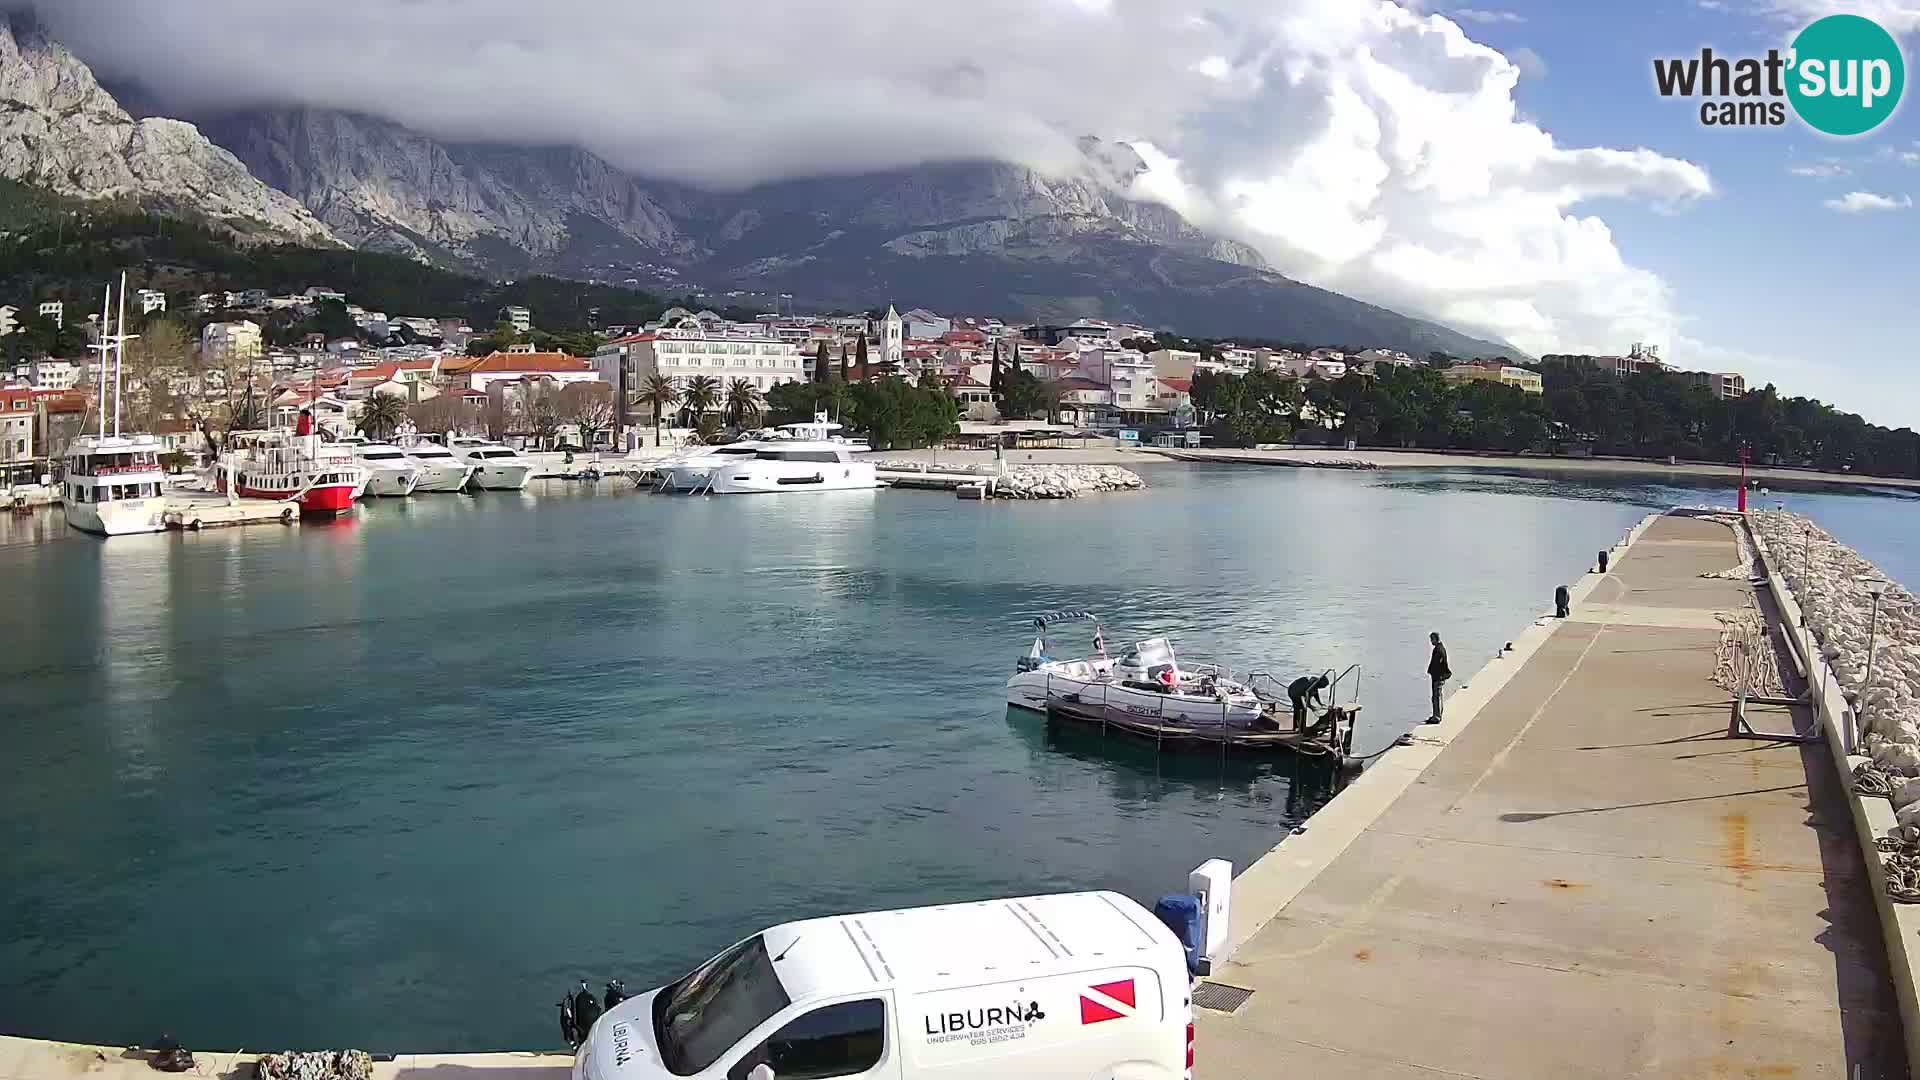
[1896, 16]
[1530, 63]
[1361, 145]
[1488, 16]
[1821, 169]
[1861, 202]
[1711, 5]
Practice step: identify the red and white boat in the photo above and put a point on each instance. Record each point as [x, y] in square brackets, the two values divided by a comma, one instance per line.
[322, 477]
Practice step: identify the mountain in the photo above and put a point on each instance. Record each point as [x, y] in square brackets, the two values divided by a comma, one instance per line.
[384, 187]
[962, 236]
[60, 131]
[978, 236]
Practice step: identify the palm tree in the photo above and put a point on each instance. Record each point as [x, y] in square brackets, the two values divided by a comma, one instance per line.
[743, 402]
[381, 415]
[702, 393]
[662, 395]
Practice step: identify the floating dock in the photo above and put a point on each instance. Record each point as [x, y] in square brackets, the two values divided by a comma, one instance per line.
[1579, 873]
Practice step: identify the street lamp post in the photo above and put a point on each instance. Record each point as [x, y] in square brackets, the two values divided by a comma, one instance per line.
[1877, 588]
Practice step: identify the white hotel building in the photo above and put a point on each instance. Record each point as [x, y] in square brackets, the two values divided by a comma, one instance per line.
[682, 353]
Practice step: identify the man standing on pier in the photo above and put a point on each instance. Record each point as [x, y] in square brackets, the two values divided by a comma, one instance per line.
[1439, 672]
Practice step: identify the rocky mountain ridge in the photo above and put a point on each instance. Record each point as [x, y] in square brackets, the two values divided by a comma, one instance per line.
[61, 131]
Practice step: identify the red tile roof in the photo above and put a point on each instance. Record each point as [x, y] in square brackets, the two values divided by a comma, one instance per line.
[506, 363]
[1182, 385]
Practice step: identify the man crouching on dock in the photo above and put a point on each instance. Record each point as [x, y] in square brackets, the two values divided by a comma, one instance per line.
[1439, 672]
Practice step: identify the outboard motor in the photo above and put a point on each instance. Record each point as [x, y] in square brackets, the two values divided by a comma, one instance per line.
[569, 1030]
[616, 993]
[585, 1010]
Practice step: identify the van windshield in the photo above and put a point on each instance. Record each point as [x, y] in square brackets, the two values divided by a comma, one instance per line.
[715, 1006]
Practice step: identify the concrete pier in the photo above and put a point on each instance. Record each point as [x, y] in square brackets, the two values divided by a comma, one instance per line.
[1576, 875]
[34, 1059]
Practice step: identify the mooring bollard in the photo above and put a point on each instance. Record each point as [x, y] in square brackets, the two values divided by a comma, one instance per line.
[1603, 562]
[1562, 602]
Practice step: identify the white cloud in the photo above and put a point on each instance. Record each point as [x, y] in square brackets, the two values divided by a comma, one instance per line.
[1531, 64]
[1860, 202]
[1488, 15]
[1711, 5]
[1362, 145]
[1897, 16]
[1820, 169]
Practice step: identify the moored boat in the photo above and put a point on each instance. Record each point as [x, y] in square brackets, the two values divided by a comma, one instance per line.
[496, 467]
[441, 469]
[113, 484]
[322, 478]
[389, 470]
[1146, 690]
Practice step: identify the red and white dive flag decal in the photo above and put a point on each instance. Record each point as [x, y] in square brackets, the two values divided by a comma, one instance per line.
[1107, 1001]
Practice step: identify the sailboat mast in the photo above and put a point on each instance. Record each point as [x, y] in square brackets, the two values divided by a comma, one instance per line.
[106, 328]
[119, 352]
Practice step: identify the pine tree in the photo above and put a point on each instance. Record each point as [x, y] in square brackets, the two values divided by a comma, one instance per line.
[997, 382]
[860, 358]
[820, 368]
[843, 363]
[1015, 363]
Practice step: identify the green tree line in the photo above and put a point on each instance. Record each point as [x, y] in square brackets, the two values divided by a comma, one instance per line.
[1584, 409]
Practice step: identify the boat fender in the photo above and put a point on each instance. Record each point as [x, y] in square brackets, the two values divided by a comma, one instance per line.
[616, 993]
[569, 1030]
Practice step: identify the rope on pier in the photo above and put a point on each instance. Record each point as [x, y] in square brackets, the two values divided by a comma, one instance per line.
[317, 1065]
[1870, 781]
[1745, 656]
[1900, 854]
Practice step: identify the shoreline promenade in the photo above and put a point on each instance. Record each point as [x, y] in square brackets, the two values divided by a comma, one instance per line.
[1578, 876]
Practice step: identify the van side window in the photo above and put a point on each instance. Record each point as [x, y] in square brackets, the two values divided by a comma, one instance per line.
[836, 1040]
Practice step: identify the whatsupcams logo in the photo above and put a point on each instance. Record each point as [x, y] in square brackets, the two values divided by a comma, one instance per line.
[1841, 76]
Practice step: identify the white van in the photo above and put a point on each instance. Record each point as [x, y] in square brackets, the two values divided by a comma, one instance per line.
[1077, 985]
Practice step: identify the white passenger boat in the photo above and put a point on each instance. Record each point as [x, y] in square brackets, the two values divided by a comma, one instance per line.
[389, 471]
[440, 468]
[496, 467]
[299, 467]
[1147, 681]
[113, 484]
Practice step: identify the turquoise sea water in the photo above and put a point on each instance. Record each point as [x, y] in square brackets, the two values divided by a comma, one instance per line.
[394, 782]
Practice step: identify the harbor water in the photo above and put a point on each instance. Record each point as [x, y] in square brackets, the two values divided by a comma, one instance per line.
[395, 782]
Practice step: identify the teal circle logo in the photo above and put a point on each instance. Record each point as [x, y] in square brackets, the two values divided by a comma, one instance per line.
[1846, 75]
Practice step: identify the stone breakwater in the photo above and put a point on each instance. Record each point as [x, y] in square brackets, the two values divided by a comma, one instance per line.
[1828, 579]
[1054, 481]
[1064, 481]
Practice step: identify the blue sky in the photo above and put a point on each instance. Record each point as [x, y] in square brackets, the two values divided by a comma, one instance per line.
[1761, 266]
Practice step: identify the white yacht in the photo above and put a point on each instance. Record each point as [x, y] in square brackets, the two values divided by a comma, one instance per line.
[113, 484]
[389, 470]
[693, 470]
[795, 465]
[440, 468]
[496, 467]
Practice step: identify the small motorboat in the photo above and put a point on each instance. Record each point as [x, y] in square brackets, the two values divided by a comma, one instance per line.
[1146, 690]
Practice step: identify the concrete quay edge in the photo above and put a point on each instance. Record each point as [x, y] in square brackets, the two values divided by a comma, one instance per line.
[1872, 817]
[1267, 885]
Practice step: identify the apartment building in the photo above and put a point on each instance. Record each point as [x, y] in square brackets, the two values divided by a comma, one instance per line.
[1520, 377]
[224, 342]
[1721, 384]
[690, 350]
